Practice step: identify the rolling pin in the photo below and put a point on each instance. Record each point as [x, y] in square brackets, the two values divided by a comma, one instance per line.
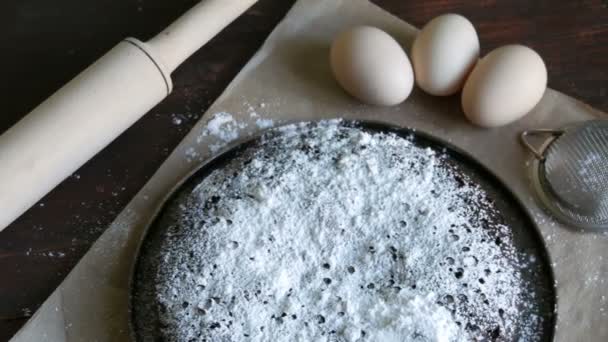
[85, 115]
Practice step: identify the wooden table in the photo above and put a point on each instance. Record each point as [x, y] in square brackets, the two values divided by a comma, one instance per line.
[46, 43]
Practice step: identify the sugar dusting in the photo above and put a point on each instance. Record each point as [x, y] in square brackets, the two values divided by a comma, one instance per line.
[332, 233]
[222, 126]
[226, 129]
[264, 123]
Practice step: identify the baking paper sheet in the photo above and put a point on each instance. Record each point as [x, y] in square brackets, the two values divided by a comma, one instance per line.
[289, 80]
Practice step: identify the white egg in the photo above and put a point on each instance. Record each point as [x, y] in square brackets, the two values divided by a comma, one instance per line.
[444, 53]
[371, 66]
[504, 86]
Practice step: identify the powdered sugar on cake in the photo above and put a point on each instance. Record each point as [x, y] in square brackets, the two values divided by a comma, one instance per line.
[330, 233]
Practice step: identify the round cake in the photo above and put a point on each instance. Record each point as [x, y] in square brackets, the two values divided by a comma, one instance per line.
[329, 232]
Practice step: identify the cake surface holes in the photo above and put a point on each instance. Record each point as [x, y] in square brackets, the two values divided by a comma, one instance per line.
[332, 233]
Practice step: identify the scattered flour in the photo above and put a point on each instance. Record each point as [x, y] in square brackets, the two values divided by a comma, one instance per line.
[176, 119]
[191, 154]
[222, 126]
[226, 129]
[330, 233]
[52, 254]
[264, 123]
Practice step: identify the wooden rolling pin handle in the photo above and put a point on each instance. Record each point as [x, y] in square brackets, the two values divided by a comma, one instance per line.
[195, 28]
[89, 112]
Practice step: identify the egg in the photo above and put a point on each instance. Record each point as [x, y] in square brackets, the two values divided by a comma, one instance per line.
[444, 53]
[371, 66]
[504, 86]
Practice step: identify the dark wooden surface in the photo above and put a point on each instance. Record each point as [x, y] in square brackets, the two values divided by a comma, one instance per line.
[46, 43]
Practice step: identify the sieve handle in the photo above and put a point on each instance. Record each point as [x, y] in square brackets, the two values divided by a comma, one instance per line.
[539, 152]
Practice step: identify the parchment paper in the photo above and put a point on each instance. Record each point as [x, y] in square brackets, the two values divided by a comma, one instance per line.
[289, 80]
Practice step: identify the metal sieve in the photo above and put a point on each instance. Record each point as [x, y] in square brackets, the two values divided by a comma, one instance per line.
[570, 172]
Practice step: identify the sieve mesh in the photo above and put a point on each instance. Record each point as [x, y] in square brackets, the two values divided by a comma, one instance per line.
[575, 174]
